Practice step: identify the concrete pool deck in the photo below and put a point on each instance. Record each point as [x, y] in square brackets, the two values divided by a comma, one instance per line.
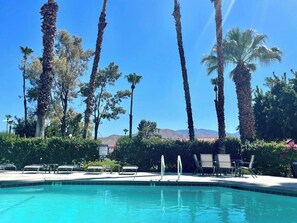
[266, 184]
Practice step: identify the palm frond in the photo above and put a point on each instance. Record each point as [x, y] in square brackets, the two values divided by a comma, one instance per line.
[259, 39]
[231, 75]
[247, 38]
[252, 67]
[266, 55]
[211, 63]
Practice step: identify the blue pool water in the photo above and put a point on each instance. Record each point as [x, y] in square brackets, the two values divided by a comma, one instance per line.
[108, 203]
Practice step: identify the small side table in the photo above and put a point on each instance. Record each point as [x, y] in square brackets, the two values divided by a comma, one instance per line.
[115, 165]
[53, 167]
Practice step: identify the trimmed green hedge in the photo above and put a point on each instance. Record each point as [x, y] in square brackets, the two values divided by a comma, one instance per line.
[24, 151]
[146, 154]
[271, 158]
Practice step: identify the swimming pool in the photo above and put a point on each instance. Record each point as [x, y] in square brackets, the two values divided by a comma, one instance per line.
[111, 203]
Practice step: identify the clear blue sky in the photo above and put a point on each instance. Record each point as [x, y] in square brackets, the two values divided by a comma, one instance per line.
[140, 37]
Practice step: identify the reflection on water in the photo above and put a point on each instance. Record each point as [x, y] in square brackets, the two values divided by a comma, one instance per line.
[142, 204]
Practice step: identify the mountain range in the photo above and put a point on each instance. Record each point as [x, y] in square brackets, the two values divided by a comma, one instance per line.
[200, 134]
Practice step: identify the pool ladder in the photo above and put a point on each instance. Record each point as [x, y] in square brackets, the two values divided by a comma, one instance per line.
[179, 167]
[162, 167]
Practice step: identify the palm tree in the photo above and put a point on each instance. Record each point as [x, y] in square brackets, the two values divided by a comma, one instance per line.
[49, 13]
[177, 17]
[8, 122]
[90, 99]
[214, 82]
[26, 51]
[133, 79]
[242, 49]
[220, 103]
[125, 131]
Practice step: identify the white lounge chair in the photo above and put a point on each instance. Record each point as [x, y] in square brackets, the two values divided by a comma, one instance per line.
[95, 169]
[225, 164]
[34, 168]
[249, 167]
[129, 169]
[197, 164]
[65, 168]
[8, 166]
[206, 162]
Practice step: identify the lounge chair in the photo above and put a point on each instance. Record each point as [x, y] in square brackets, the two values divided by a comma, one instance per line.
[206, 162]
[35, 168]
[197, 164]
[225, 164]
[129, 170]
[65, 168]
[95, 169]
[248, 166]
[8, 166]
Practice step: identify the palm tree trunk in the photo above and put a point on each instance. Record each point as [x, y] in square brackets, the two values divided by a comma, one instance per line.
[130, 116]
[49, 14]
[24, 95]
[177, 17]
[220, 55]
[64, 118]
[96, 130]
[90, 99]
[242, 79]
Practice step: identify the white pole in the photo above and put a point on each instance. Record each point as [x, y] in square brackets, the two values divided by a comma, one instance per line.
[179, 167]
[162, 167]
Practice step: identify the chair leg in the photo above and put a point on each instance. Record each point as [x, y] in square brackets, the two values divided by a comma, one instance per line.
[252, 173]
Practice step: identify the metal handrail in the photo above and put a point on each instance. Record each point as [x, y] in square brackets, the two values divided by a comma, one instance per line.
[162, 167]
[179, 167]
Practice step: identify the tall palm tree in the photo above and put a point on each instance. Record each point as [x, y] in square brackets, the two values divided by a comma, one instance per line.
[214, 82]
[49, 13]
[133, 79]
[8, 122]
[177, 16]
[90, 99]
[26, 51]
[220, 103]
[243, 49]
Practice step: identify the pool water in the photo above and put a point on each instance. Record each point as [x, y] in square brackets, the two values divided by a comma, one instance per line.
[109, 203]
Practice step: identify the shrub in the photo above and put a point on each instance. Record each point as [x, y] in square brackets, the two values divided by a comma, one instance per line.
[271, 158]
[24, 151]
[107, 163]
[146, 153]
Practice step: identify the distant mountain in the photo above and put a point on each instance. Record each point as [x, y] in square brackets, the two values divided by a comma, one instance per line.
[173, 134]
[206, 133]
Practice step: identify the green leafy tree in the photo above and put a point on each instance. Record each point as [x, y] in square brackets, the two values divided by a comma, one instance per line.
[73, 121]
[177, 16]
[70, 64]
[92, 84]
[242, 49]
[275, 109]
[49, 13]
[106, 104]
[133, 79]
[147, 130]
[26, 51]
[34, 70]
[23, 130]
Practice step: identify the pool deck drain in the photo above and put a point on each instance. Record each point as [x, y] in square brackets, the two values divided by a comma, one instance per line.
[266, 184]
